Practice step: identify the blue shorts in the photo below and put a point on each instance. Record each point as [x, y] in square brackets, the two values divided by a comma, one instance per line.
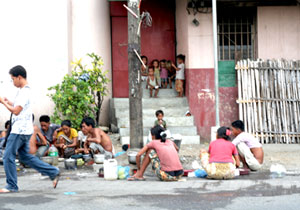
[163, 80]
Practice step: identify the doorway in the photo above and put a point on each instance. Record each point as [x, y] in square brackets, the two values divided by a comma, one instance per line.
[157, 42]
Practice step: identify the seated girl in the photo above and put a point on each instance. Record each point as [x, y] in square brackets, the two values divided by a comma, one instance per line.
[162, 153]
[222, 157]
[66, 140]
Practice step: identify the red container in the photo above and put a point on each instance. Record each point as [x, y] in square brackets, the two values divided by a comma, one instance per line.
[186, 172]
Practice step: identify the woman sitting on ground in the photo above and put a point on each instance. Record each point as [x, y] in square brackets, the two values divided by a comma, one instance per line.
[162, 153]
[66, 140]
[222, 157]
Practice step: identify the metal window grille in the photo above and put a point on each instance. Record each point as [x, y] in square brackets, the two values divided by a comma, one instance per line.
[237, 36]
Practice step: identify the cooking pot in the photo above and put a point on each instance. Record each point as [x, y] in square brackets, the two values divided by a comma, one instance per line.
[70, 163]
[86, 157]
[99, 158]
[132, 157]
[47, 159]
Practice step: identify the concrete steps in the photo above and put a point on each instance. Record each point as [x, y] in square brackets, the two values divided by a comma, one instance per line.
[183, 130]
[174, 109]
[149, 112]
[185, 140]
[163, 93]
[149, 121]
[153, 103]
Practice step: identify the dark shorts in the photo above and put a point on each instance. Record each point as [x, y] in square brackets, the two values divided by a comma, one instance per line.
[175, 173]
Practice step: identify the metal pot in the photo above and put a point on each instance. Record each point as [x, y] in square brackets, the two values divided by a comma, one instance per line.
[87, 157]
[99, 158]
[132, 157]
[47, 159]
[70, 163]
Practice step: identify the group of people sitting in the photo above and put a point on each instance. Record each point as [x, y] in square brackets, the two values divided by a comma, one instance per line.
[67, 140]
[161, 73]
[220, 161]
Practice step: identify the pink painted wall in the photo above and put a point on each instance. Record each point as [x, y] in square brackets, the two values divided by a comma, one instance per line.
[278, 32]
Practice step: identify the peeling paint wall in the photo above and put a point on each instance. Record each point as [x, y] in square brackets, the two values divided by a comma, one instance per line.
[278, 32]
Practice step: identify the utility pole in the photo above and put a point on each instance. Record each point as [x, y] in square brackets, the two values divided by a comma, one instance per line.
[134, 66]
[215, 35]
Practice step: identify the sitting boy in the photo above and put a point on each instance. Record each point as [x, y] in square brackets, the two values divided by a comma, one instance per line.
[250, 150]
[97, 141]
[160, 121]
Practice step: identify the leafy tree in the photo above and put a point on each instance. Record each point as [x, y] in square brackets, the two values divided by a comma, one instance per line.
[81, 93]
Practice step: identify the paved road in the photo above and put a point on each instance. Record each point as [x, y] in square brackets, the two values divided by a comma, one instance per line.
[257, 191]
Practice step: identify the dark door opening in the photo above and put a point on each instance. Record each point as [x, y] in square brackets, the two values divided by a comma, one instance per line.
[157, 42]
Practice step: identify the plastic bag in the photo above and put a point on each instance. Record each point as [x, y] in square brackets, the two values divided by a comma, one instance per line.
[123, 172]
[200, 173]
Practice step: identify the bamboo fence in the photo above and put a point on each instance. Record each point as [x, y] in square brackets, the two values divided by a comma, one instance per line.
[269, 99]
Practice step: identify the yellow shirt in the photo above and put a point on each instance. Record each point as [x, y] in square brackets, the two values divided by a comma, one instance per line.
[73, 134]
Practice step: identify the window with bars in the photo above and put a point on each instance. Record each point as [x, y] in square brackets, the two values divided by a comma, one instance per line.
[237, 35]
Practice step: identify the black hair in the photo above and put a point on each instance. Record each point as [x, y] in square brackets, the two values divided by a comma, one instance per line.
[143, 56]
[156, 131]
[44, 118]
[151, 67]
[155, 60]
[32, 117]
[158, 112]
[7, 124]
[66, 123]
[182, 57]
[163, 60]
[18, 71]
[88, 121]
[224, 133]
[239, 125]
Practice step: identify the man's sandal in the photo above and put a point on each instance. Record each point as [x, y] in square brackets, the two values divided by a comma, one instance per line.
[55, 181]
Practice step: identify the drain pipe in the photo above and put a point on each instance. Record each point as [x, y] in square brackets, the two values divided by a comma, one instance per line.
[215, 36]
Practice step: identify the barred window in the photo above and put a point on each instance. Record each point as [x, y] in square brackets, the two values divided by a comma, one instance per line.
[237, 34]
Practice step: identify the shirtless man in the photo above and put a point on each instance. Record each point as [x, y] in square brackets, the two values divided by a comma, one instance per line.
[38, 144]
[250, 150]
[97, 141]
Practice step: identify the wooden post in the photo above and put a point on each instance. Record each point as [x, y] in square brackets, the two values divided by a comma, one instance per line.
[134, 66]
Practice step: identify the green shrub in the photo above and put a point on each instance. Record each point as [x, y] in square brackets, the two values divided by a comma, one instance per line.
[81, 93]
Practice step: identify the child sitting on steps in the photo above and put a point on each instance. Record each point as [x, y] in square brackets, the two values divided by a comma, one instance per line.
[152, 82]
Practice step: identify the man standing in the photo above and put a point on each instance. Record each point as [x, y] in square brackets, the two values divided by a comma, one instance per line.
[22, 129]
[250, 150]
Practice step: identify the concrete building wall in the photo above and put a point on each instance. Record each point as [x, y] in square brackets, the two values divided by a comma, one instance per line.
[196, 42]
[90, 32]
[44, 37]
[278, 32]
[33, 34]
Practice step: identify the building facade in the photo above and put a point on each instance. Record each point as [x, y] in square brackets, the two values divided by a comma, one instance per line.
[45, 36]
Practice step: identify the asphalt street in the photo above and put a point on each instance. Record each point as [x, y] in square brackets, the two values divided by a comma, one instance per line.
[82, 189]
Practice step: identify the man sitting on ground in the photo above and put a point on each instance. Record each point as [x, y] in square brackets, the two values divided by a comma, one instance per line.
[3, 135]
[38, 144]
[97, 141]
[250, 150]
[48, 129]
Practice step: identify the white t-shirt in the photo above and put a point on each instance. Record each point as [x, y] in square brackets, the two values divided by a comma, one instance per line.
[180, 73]
[248, 139]
[22, 123]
